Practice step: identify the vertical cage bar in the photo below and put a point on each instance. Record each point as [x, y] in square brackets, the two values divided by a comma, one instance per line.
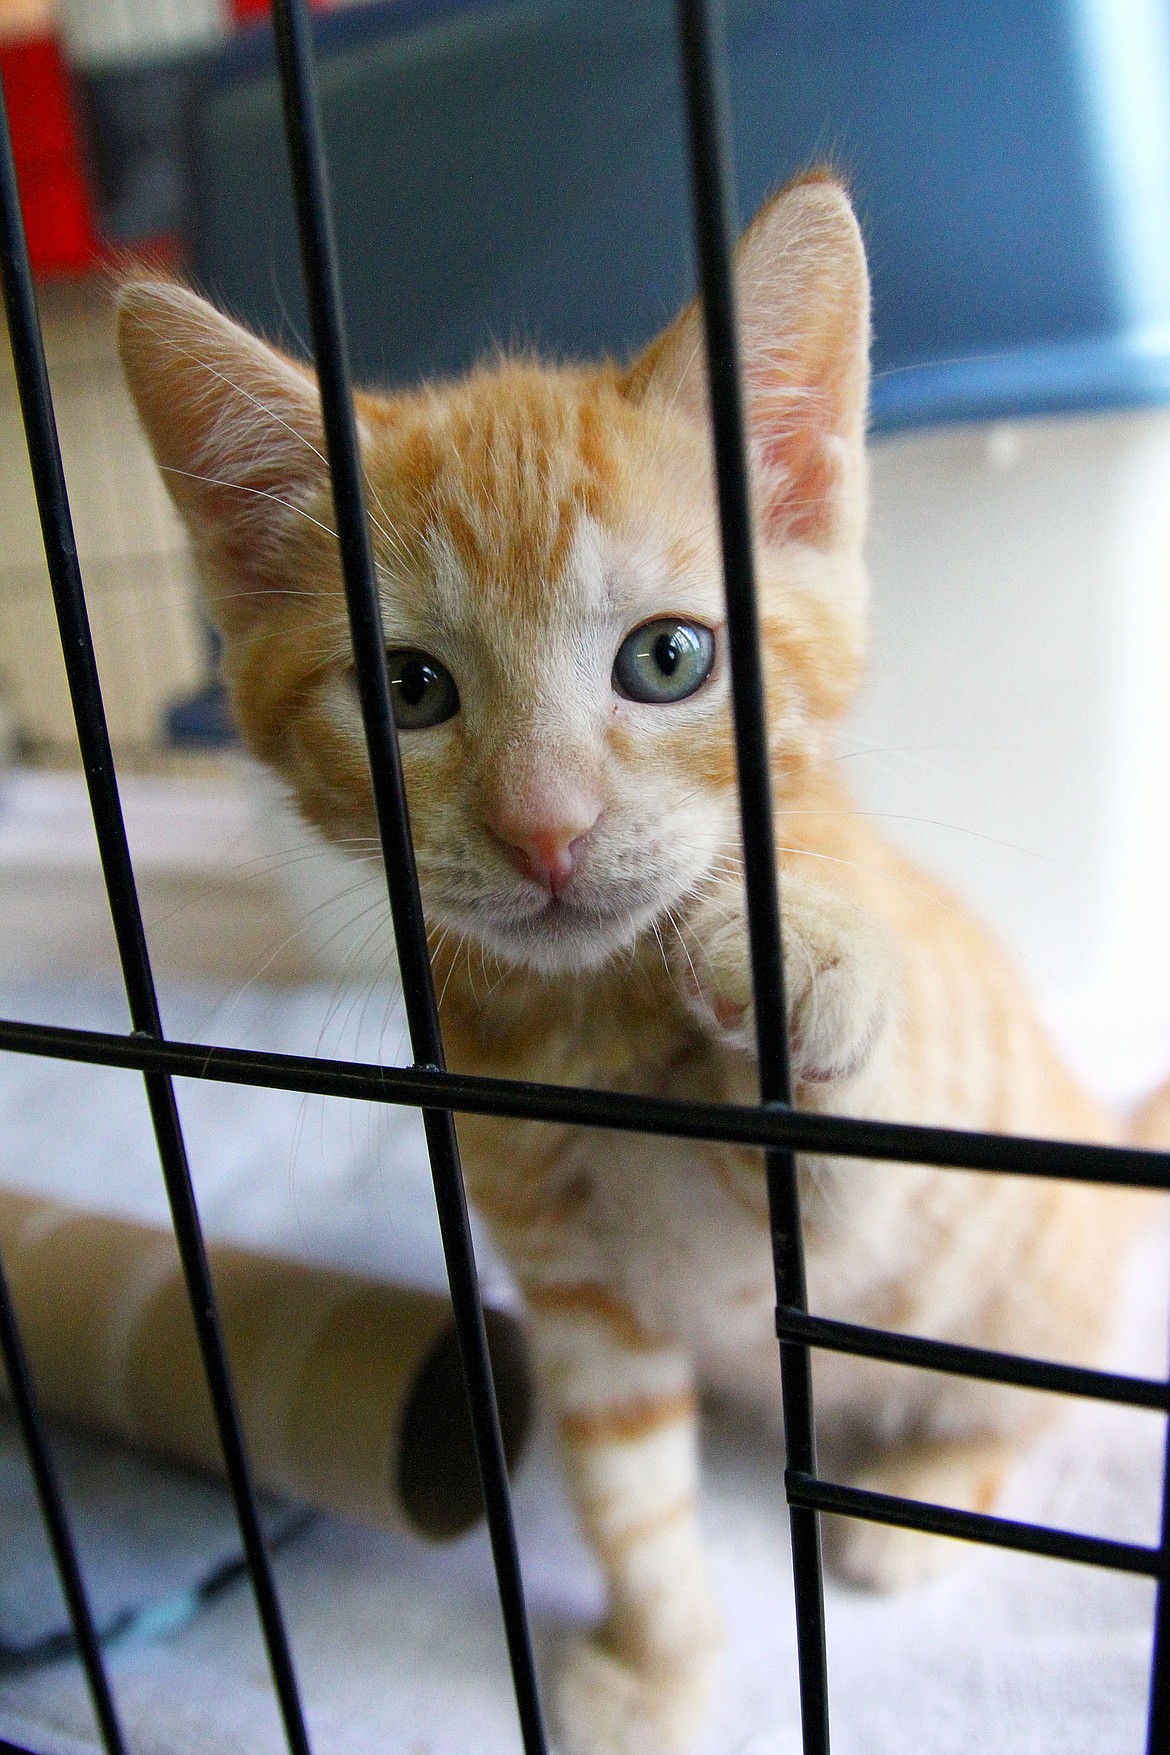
[322, 283]
[704, 71]
[23, 1396]
[97, 758]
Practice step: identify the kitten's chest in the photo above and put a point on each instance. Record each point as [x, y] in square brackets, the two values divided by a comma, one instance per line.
[676, 1228]
[682, 1229]
[679, 1228]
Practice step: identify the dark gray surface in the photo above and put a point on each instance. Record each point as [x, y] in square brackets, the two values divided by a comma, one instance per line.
[512, 172]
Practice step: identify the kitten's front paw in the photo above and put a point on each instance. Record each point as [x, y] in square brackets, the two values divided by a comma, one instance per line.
[840, 980]
[839, 977]
[607, 1706]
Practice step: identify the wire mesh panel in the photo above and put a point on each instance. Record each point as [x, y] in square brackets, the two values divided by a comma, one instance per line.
[97, 759]
[771, 1125]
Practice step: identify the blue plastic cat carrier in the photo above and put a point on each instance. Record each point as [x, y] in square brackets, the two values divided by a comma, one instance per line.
[513, 171]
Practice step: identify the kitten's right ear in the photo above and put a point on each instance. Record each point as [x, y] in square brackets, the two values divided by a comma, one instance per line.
[236, 429]
[803, 295]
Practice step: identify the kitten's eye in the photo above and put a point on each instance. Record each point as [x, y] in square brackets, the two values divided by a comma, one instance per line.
[422, 690]
[664, 661]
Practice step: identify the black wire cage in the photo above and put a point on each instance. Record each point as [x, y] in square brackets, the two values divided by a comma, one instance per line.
[771, 1125]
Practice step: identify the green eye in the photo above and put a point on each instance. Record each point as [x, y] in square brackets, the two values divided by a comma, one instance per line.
[422, 690]
[664, 661]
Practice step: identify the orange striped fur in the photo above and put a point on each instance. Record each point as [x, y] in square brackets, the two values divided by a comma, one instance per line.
[580, 865]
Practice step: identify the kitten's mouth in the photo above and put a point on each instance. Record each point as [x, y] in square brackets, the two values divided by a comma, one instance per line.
[565, 932]
[568, 907]
[593, 918]
[562, 915]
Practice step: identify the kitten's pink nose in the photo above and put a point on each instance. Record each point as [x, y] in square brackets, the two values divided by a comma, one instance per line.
[549, 858]
[548, 852]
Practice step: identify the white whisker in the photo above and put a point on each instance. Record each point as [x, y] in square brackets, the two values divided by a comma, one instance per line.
[238, 487]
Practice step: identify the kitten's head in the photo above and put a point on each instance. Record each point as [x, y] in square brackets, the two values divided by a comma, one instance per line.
[547, 547]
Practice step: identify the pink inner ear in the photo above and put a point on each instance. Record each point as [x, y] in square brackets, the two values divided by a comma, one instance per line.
[801, 474]
[806, 414]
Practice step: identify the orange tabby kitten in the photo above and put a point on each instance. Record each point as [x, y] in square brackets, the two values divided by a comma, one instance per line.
[547, 546]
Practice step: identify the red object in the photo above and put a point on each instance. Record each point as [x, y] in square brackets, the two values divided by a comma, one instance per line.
[246, 11]
[58, 216]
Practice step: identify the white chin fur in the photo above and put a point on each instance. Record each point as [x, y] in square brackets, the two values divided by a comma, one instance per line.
[549, 944]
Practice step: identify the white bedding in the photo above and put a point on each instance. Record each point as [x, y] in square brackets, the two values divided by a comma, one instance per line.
[399, 1645]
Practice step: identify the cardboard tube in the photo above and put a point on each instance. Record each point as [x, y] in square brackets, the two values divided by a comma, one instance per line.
[350, 1390]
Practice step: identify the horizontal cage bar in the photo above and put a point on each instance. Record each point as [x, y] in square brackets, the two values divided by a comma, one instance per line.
[975, 1526]
[772, 1124]
[979, 1362]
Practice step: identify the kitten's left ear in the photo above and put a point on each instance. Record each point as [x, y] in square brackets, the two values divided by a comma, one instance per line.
[803, 302]
[236, 429]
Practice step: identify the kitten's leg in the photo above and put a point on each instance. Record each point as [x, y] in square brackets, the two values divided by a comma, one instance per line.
[625, 1411]
[839, 975]
[964, 1473]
